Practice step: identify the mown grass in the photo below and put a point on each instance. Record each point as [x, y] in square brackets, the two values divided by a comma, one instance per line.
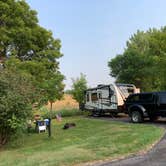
[90, 140]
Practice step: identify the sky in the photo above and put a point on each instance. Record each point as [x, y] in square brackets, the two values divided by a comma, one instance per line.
[92, 32]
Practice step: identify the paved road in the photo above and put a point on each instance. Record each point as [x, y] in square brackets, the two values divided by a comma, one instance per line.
[155, 157]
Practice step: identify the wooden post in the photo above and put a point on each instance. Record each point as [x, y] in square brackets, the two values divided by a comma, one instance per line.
[49, 126]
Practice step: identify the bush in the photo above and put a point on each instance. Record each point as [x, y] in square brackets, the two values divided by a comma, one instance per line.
[16, 98]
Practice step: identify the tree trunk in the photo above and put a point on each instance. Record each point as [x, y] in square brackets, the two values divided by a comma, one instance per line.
[51, 103]
[3, 139]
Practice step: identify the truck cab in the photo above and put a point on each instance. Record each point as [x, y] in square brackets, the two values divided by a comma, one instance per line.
[142, 105]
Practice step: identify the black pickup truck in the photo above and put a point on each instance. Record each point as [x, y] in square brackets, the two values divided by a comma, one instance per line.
[142, 105]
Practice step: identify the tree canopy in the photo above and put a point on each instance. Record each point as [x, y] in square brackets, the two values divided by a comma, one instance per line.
[22, 36]
[143, 61]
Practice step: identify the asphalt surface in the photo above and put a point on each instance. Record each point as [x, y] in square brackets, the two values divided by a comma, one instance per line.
[155, 157]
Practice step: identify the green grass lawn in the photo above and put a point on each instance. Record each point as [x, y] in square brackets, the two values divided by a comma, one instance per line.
[90, 140]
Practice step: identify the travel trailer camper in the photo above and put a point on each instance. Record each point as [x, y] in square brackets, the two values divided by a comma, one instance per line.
[108, 98]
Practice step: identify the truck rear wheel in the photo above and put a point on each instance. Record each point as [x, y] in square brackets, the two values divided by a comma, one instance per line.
[136, 117]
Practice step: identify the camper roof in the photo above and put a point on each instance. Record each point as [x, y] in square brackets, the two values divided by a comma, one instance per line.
[100, 86]
[126, 85]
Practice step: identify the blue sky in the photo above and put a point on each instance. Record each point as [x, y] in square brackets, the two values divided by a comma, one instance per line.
[94, 31]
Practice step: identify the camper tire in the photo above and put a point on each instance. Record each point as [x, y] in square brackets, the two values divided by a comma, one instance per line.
[136, 117]
[94, 113]
[97, 113]
[100, 113]
[113, 114]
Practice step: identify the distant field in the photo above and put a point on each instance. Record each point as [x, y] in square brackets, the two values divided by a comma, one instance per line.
[67, 103]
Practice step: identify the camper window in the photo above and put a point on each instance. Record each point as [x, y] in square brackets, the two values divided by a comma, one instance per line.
[94, 97]
[87, 97]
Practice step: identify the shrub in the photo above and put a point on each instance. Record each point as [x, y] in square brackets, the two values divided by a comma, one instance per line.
[16, 98]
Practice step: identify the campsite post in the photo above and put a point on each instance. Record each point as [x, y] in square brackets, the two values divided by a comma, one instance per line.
[49, 128]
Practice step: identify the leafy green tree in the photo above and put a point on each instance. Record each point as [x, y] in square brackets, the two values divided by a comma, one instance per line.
[54, 88]
[30, 50]
[142, 62]
[17, 96]
[78, 88]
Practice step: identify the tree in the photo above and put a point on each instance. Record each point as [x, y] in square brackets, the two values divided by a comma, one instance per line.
[78, 88]
[54, 88]
[30, 50]
[17, 96]
[142, 62]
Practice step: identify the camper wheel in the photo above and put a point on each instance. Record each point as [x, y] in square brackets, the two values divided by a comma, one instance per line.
[93, 113]
[100, 112]
[113, 114]
[97, 113]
